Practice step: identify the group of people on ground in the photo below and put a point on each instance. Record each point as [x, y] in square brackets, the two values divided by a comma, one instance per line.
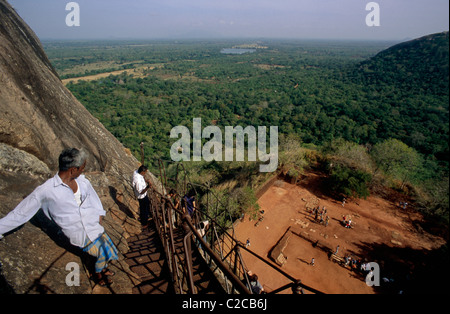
[353, 263]
[347, 221]
[320, 216]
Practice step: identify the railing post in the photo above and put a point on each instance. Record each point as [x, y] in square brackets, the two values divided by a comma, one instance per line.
[171, 240]
[239, 286]
[142, 153]
[236, 253]
[188, 252]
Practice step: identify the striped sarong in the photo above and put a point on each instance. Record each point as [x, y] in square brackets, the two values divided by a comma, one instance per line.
[103, 249]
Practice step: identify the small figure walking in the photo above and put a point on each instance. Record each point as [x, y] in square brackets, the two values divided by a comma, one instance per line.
[337, 250]
[247, 244]
[312, 262]
[343, 201]
[327, 220]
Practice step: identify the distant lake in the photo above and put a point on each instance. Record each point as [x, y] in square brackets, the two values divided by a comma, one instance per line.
[236, 51]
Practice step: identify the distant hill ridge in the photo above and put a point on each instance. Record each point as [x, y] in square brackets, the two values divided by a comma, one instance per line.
[417, 64]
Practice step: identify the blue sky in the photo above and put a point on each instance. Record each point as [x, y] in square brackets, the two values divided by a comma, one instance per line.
[309, 19]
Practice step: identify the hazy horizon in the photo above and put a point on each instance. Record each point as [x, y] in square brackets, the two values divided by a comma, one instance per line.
[234, 19]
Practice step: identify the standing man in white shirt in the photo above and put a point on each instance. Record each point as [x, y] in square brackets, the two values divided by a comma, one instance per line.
[72, 203]
[140, 187]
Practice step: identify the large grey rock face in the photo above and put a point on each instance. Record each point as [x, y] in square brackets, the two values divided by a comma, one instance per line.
[39, 117]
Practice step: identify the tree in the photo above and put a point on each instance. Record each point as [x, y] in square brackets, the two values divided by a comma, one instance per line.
[349, 182]
[396, 159]
[349, 154]
[292, 155]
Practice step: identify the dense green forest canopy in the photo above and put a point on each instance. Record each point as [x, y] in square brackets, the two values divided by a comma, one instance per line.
[316, 89]
[420, 65]
[366, 93]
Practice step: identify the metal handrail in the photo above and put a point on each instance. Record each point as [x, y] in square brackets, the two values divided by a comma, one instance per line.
[190, 231]
[223, 251]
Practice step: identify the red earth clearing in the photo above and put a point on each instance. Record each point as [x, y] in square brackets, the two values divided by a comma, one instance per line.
[380, 228]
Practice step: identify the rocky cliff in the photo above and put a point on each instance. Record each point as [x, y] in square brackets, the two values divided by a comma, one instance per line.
[38, 118]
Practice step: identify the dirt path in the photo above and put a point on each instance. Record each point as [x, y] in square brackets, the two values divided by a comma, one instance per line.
[136, 72]
[377, 223]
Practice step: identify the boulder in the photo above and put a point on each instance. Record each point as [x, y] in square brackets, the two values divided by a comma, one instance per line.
[39, 117]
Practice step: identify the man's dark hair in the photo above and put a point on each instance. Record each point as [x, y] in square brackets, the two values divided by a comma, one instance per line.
[142, 168]
[70, 158]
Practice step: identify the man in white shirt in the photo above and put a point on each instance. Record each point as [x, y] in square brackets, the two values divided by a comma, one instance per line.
[140, 187]
[72, 203]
